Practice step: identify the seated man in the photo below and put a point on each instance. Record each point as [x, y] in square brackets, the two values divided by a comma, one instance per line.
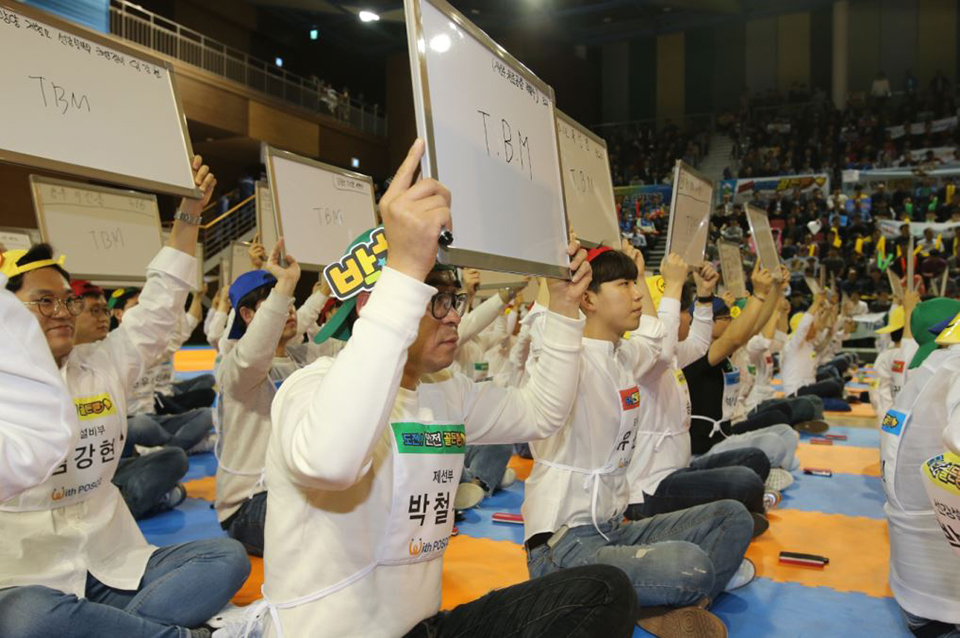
[150, 484]
[578, 491]
[74, 561]
[891, 364]
[798, 359]
[366, 450]
[250, 374]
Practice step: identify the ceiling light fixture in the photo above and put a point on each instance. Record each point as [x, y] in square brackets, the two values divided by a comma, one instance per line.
[368, 16]
[279, 62]
[314, 34]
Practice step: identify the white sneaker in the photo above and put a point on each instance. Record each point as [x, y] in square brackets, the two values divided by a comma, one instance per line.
[468, 496]
[743, 576]
[143, 450]
[509, 478]
[779, 480]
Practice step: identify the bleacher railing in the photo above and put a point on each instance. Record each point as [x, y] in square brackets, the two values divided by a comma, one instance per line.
[148, 29]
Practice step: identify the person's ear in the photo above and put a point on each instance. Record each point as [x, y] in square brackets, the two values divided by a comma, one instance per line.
[362, 300]
[588, 303]
[247, 314]
[117, 314]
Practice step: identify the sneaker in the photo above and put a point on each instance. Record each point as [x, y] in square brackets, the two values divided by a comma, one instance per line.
[682, 622]
[143, 450]
[468, 496]
[760, 524]
[206, 445]
[812, 427]
[771, 498]
[778, 480]
[743, 576]
[509, 478]
[172, 498]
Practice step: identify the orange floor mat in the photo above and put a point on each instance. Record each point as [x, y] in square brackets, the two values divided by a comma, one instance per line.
[472, 567]
[204, 488]
[857, 409]
[200, 360]
[251, 589]
[844, 459]
[860, 567]
[521, 466]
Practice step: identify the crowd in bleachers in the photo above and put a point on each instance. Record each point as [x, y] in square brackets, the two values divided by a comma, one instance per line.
[642, 153]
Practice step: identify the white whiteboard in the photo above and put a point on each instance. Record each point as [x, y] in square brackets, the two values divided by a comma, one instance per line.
[491, 139]
[587, 184]
[239, 261]
[266, 221]
[77, 102]
[18, 238]
[320, 209]
[690, 209]
[104, 232]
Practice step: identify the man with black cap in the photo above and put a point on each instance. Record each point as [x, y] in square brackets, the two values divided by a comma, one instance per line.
[366, 451]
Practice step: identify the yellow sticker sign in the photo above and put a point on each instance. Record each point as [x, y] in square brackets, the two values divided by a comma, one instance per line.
[360, 268]
[95, 407]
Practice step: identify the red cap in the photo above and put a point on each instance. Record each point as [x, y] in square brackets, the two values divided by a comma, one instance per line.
[82, 287]
[593, 253]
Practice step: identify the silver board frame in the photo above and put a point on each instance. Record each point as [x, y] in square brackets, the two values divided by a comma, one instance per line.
[35, 180]
[76, 170]
[424, 117]
[681, 165]
[269, 152]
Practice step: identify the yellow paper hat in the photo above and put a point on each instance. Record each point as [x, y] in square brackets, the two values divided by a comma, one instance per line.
[896, 321]
[795, 321]
[951, 335]
[10, 268]
[656, 285]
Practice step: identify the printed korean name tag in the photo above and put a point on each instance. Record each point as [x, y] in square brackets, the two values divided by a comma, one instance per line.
[942, 482]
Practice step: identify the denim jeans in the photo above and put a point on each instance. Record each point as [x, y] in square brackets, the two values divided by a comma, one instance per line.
[583, 602]
[144, 480]
[247, 523]
[486, 463]
[924, 628]
[736, 474]
[173, 430]
[672, 559]
[778, 442]
[827, 389]
[184, 586]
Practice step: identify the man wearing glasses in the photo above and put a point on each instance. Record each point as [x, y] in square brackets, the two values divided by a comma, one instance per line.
[74, 561]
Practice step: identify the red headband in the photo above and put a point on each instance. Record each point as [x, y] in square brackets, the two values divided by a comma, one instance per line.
[593, 253]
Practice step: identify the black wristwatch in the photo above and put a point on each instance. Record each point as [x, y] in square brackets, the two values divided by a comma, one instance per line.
[707, 299]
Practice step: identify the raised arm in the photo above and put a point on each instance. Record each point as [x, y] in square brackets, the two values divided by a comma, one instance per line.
[701, 326]
[741, 329]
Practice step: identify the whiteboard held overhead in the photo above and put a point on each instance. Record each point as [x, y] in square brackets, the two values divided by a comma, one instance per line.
[266, 218]
[239, 261]
[690, 208]
[490, 134]
[319, 209]
[106, 233]
[731, 266]
[763, 240]
[587, 184]
[78, 102]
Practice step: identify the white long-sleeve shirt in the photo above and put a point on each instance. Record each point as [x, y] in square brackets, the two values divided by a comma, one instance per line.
[158, 376]
[663, 439]
[479, 331]
[330, 464]
[58, 547]
[760, 351]
[216, 327]
[891, 371]
[38, 420]
[798, 360]
[556, 496]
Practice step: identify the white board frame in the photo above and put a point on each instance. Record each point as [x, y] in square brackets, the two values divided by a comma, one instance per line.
[260, 189]
[610, 210]
[76, 170]
[32, 235]
[269, 153]
[424, 117]
[686, 168]
[737, 286]
[754, 214]
[36, 180]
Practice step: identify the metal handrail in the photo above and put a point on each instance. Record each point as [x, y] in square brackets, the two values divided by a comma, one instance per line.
[132, 22]
[229, 212]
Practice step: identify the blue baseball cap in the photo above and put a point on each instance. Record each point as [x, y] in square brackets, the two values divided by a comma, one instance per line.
[244, 285]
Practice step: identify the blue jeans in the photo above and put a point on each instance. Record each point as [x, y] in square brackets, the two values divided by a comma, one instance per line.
[247, 523]
[173, 430]
[736, 474]
[486, 463]
[144, 480]
[184, 586]
[796, 409]
[672, 559]
[924, 628]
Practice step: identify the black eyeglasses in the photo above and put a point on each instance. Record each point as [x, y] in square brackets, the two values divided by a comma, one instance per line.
[98, 311]
[50, 306]
[442, 302]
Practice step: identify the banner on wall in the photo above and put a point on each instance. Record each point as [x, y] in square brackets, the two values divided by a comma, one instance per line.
[919, 128]
[891, 228]
[742, 189]
[942, 154]
[894, 174]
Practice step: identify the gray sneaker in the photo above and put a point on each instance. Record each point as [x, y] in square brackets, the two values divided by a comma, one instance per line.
[172, 498]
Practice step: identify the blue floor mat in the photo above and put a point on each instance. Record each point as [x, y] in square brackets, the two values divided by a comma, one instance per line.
[848, 494]
[857, 437]
[201, 465]
[192, 520]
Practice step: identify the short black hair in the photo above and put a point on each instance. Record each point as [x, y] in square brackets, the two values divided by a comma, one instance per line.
[688, 294]
[37, 252]
[255, 296]
[897, 335]
[611, 266]
[120, 301]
